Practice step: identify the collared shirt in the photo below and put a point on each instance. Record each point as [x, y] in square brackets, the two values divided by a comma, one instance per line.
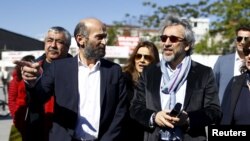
[180, 94]
[238, 63]
[89, 101]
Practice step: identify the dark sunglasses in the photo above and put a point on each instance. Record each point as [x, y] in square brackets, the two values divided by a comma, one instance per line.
[246, 51]
[146, 57]
[172, 38]
[239, 38]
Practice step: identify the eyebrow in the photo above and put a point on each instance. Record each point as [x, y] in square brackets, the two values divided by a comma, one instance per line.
[102, 34]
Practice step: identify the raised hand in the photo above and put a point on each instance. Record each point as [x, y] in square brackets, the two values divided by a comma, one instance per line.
[30, 71]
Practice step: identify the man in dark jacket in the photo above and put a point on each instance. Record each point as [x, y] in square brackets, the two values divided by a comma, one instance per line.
[90, 92]
[39, 117]
[176, 79]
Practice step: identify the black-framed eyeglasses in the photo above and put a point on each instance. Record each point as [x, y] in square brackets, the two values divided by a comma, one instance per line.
[246, 51]
[239, 38]
[138, 56]
[172, 38]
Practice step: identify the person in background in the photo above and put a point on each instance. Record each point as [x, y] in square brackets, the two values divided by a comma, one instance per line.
[229, 65]
[17, 102]
[144, 54]
[176, 79]
[39, 117]
[5, 80]
[235, 106]
[90, 92]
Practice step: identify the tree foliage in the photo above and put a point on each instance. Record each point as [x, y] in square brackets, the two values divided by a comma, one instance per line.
[112, 35]
[226, 16]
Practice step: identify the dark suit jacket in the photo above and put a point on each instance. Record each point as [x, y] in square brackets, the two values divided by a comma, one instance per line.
[38, 119]
[229, 102]
[61, 79]
[132, 130]
[201, 101]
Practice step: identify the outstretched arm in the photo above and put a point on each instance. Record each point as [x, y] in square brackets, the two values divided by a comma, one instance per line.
[30, 71]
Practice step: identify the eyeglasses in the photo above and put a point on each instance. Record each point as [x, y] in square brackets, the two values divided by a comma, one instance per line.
[146, 57]
[239, 38]
[246, 51]
[172, 38]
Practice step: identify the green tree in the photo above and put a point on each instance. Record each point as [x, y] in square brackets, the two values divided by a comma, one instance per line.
[207, 46]
[227, 15]
[112, 35]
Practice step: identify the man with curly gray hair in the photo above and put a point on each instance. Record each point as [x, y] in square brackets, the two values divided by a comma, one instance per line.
[176, 79]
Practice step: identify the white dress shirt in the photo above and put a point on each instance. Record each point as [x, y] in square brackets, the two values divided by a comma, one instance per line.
[238, 63]
[89, 101]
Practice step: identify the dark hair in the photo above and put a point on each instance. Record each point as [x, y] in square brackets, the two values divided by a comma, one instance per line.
[29, 58]
[129, 67]
[81, 29]
[242, 27]
[246, 51]
[243, 68]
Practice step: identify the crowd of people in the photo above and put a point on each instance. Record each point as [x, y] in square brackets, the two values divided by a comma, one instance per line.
[57, 97]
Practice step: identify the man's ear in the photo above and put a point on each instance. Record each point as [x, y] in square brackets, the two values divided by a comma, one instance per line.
[187, 48]
[81, 39]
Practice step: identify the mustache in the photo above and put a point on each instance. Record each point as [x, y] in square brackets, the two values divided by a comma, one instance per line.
[53, 49]
[101, 46]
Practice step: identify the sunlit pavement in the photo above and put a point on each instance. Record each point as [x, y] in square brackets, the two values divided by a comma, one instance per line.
[5, 119]
[5, 124]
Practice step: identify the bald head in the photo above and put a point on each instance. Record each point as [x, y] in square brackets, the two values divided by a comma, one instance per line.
[91, 21]
[90, 30]
[87, 25]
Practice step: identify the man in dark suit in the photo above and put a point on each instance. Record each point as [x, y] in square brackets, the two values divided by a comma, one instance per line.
[56, 46]
[89, 91]
[176, 79]
[229, 65]
[235, 106]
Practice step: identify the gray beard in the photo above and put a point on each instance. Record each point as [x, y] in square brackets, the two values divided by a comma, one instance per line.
[94, 53]
[169, 58]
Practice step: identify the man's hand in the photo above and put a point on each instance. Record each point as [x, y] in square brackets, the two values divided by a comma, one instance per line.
[183, 119]
[30, 71]
[163, 119]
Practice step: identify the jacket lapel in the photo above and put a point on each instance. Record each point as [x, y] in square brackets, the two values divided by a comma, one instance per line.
[104, 77]
[154, 85]
[236, 90]
[74, 76]
[190, 80]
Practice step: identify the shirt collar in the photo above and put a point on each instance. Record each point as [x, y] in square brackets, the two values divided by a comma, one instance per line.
[96, 66]
[237, 57]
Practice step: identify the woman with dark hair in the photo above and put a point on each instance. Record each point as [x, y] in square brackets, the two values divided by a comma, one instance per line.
[144, 54]
[17, 102]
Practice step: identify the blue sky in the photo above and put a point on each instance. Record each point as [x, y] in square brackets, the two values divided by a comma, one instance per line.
[33, 17]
